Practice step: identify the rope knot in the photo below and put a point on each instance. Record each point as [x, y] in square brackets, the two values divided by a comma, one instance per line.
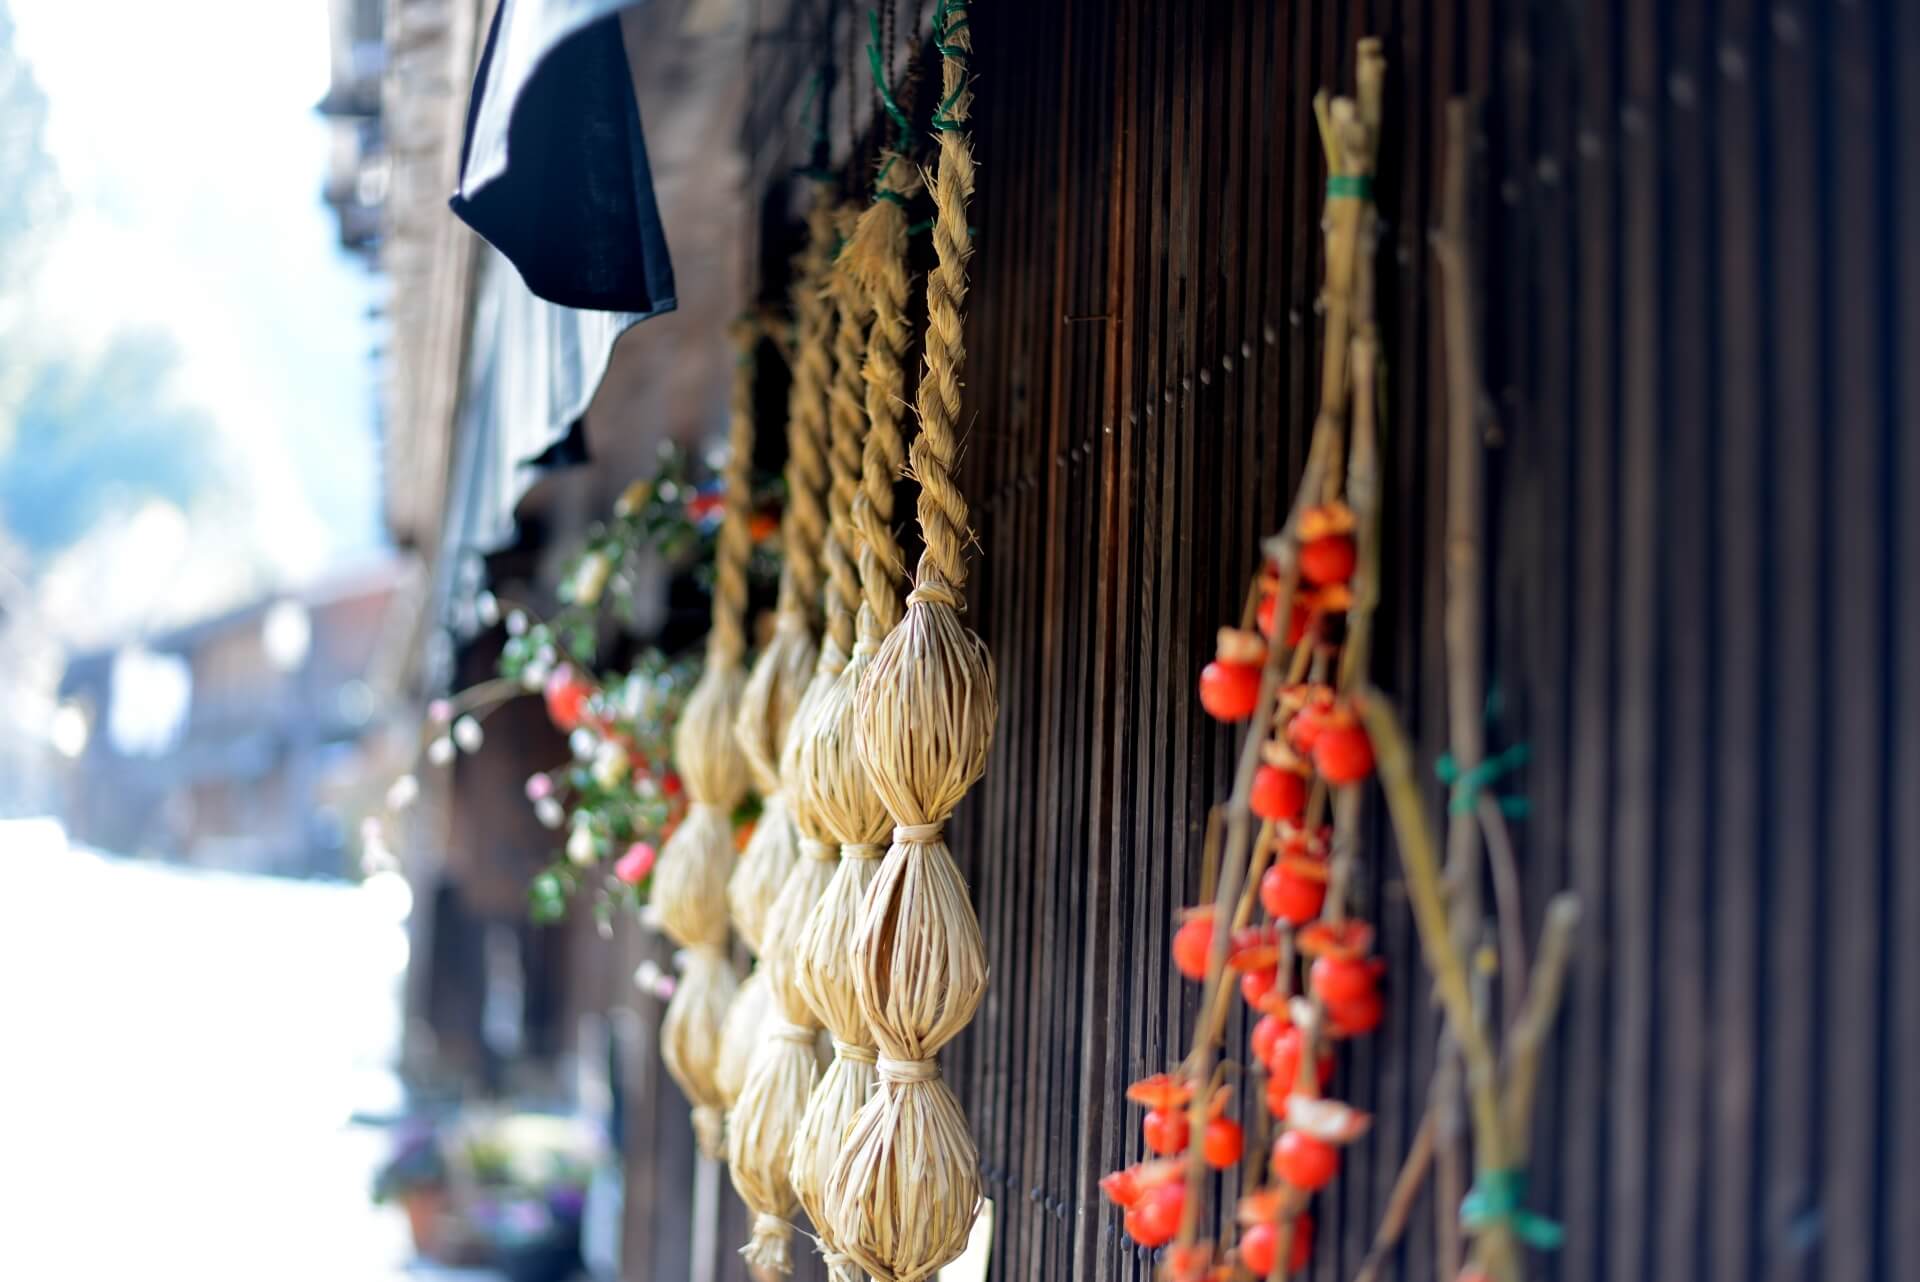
[797, 1034]
[918, 834]
[932, 591]
[823, 851]
[862, 850]
[902, 1071]
[853, 1053]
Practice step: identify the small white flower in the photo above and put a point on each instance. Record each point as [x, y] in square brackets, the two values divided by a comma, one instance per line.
[549, 812]
[583, 743]
[486, 608]
[441, 751]
[516, 623]
[611, 765]
[533, 677]
[402, 792]
[580, 846]
[468, 735]
[650, 916]
[440, 711]
[649, 978]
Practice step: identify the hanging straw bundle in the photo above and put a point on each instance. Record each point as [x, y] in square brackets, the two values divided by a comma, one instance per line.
[906, 1187]
[784, 1066]
[690, 884]
[785, 667]
[832, 775]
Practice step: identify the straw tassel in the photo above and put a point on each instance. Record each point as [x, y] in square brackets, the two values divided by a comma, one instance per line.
[906, 1187]
[690, 883]
[784, 1068]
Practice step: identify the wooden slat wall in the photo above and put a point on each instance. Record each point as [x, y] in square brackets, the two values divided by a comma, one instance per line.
[1701, 259]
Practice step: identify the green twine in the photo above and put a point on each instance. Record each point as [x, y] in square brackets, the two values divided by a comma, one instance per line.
[1349, 187]
[1467, 785]
[891, 197]
[1499, 1197]
[900, 123]
[944, 25]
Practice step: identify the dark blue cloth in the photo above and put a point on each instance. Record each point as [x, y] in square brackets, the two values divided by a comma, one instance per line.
[554, 168]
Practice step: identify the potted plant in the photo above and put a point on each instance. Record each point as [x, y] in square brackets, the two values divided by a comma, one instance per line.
[415, 1177]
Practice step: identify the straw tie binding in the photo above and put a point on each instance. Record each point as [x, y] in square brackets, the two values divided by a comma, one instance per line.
[798, 1034]
[824, 851]
[856, 1053]
[918, 834]
[863, 850]
[931, 591]
[901, 1071]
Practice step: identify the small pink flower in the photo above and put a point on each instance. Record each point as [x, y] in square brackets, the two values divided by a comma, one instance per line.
[539, 787]
[634, 866]
[440, 711]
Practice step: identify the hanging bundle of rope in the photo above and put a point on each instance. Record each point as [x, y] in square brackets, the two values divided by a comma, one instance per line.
[780, 677]
[831, 776]
[690, 883]
[905, 1189]
[784, 1066]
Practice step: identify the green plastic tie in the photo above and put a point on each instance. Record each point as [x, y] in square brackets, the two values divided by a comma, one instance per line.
[1349, 187]
[1499, 1197]
[1467, 785]
[891, 197]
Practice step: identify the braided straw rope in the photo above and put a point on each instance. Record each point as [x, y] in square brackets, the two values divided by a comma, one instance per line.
[785, 667]
[784, 1068]
[905, 1190]
[690, 883]
[833, 774]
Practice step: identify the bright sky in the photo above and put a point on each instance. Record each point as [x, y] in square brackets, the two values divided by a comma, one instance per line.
[192, 158]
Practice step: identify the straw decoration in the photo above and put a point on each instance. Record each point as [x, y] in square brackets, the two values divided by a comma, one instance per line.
[832, 773]
[690, 883]
[780, 677]
[905, 1189]
[784, 1067]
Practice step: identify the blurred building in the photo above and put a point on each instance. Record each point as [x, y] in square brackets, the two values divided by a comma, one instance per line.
[248, 741]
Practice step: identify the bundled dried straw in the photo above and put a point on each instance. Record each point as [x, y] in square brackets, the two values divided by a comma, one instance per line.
[690, 884]
[832, 775]
[785, 668]
[784, 1067]
[905, 1190]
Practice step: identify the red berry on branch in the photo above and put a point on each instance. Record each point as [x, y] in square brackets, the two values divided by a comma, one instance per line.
[1290, 897]
[1223, 1143]
[1279, 795]
[1155, 1218]
[1342, 753]
[1305, 1161]
[1302, 1249]
[1255, 985]
[1353, 1019]
[1166, 1131]
[1327, 559]
[1229, 691]
[1193, 945]
[1340, 981]
[1259, 1248]
[1265, 1037]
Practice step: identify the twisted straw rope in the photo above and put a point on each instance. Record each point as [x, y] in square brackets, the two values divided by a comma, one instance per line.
[876, 257]
[805, 520]
[727, 642]
[847, 417]
[943, 509]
